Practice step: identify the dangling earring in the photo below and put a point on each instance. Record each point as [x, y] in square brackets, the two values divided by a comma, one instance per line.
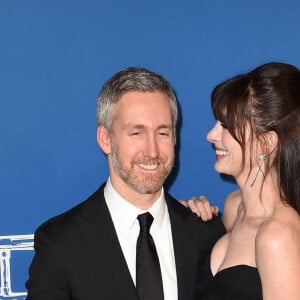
[262, 158]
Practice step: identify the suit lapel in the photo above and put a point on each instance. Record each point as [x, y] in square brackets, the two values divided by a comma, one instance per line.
[101, 238]
[185, 247]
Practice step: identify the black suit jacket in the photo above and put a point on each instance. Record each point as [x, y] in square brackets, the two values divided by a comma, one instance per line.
[78, 255]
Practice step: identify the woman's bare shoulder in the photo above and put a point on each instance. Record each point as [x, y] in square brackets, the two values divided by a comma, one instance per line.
[279, 233]
[277, 252]
[234, 197]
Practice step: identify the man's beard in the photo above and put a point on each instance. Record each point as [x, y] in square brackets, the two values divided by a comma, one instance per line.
[147, 184]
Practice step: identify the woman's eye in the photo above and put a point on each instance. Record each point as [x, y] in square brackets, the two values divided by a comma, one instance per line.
[223, 125]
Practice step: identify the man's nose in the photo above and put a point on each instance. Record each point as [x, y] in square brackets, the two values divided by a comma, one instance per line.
[151, 147]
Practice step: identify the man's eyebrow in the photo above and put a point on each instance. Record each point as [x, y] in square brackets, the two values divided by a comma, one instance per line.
[165, 126]
[141, 126]
[131, 125]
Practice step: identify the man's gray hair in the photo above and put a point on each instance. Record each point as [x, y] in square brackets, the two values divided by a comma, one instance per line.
[132, 79]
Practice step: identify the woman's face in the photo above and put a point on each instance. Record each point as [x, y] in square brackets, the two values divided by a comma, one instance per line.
[228, 150]
[229, 153]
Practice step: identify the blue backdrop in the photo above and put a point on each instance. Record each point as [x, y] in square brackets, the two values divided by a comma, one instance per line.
[56, 55]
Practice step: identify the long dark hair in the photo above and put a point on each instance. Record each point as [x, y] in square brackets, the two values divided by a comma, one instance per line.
[266, 99]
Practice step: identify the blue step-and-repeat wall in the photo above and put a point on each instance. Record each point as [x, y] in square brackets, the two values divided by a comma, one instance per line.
[54, 58]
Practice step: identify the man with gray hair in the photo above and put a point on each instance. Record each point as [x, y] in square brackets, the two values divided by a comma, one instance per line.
[131, 239]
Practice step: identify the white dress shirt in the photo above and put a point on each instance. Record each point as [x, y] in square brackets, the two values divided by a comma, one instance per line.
[124, 216]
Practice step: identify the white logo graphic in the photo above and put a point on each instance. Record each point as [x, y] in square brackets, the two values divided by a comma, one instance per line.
[9, 244]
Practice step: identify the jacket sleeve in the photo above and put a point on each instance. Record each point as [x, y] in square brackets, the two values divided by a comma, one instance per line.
[47, 278]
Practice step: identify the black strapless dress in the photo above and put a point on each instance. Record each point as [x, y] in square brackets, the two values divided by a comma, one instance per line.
[241, 282]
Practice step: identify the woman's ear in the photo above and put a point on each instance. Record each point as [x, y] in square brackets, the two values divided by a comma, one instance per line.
[103, 139]
[270, 142]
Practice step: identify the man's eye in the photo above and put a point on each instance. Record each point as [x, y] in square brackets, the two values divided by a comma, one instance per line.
[134, 133]
[164, 133]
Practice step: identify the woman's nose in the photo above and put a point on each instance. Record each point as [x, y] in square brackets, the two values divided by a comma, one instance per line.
[214, 134]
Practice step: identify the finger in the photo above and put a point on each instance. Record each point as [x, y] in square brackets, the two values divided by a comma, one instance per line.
[197, 206]
[215, 210]
[205, 207]
[210, 208]
[183, 202]
[193, 207]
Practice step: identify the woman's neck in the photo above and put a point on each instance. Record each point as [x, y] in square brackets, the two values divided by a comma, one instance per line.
[261, 198]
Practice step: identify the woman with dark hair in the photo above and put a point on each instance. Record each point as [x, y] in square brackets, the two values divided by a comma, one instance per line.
[257, 141]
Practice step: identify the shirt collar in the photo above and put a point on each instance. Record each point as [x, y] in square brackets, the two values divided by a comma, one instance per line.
[125, 214]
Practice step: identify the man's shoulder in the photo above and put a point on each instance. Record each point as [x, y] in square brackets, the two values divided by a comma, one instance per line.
[66, 220]
[187, 216]
[190, 232]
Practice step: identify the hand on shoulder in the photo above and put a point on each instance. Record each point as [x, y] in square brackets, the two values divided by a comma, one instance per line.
[201, 207]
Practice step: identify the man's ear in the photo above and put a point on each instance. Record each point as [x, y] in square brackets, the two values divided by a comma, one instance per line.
[103, 139]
